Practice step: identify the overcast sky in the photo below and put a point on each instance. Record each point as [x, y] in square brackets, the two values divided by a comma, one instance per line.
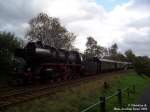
[126, 22]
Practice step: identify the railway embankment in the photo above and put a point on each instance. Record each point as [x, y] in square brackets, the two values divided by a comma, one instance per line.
[78, 97]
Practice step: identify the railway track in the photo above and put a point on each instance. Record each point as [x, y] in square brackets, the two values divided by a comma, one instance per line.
[21, 94]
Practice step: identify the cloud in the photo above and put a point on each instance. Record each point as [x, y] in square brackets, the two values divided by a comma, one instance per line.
[142, 5]
[135, 26]
[14, 15]
[127, 24]
[142, 23]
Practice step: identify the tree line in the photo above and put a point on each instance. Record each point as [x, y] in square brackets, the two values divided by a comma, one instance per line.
[141, 63]
[50, 31]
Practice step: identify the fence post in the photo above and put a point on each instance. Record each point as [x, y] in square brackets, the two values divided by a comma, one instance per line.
[133, 88]
[103, 104]
[120, 97]
[105, 85]
[128, 92]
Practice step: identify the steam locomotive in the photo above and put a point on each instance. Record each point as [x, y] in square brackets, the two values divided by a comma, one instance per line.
[44, 63]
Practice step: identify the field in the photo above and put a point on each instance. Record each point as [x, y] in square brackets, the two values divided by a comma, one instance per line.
[77, 98]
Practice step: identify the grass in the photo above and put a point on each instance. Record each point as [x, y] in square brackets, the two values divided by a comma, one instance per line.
[77, 98]
[140, 82]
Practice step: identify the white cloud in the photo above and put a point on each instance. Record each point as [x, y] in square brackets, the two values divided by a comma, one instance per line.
[127, 24]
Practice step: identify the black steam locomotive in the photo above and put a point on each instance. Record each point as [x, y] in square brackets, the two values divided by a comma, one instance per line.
[44, 63]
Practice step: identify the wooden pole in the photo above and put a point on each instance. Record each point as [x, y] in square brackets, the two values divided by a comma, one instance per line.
[128, 92]
[134, 89]
[105, 85]
[120, 97]
[103, 104]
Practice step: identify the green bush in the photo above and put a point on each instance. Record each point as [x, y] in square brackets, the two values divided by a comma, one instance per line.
[142, 65]
[8, 44]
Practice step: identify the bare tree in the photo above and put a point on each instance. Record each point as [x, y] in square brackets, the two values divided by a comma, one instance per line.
[93, 49]
[50, 31]
[91, 45]
[130, 55]
[113, 51]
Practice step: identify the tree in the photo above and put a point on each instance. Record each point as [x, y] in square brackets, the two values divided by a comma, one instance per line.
[91, 45]
[113, 51]
[142, 65]
[98, 51]
[8, 41]
[121, 57]
[50, 31]
[93, 49]
[8, 44]
[130, 55]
